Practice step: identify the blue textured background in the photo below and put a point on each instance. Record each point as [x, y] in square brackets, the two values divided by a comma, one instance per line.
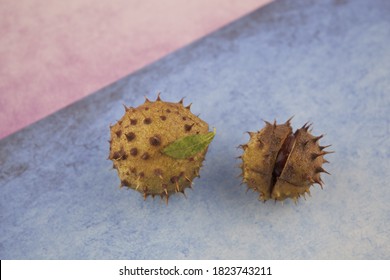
[327, 62]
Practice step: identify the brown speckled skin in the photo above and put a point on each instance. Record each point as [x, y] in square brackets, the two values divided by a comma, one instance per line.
[138, 138]
[302, 167]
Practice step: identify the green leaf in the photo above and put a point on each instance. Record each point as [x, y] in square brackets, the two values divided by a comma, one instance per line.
[189, 146]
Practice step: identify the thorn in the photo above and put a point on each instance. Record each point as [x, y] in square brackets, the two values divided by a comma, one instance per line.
[181, 101]
[288, 122]
[124, 183]
[182, 191]
[315, 139]
[316, 155]
[324, 147]
[166, 199]
[145, 196]
[311, 179]
[274, 123]
[244, 147]
[146, 99]
[158, 96]
[320, 169]
[188, 179]
[251, 134]
[328, 152]
[319, 182]
[188, 127]
[164, 187]
[188, 107]
[177, 187]
[306, 126]
[267, 123]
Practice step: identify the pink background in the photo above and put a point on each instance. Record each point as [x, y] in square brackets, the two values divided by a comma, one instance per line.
[53, 53]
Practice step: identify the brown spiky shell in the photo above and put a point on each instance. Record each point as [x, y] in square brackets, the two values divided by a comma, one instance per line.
[280, 164]
[137, 141]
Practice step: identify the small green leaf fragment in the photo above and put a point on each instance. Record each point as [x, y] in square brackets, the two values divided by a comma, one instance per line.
[189, 146]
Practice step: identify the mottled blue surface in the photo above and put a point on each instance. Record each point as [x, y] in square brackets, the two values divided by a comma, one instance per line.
[327, 62]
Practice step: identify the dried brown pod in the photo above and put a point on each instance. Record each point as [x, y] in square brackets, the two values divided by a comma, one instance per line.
[280, 164]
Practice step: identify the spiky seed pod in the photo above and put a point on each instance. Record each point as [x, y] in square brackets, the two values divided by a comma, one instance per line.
[141, 141]
[280, 164]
